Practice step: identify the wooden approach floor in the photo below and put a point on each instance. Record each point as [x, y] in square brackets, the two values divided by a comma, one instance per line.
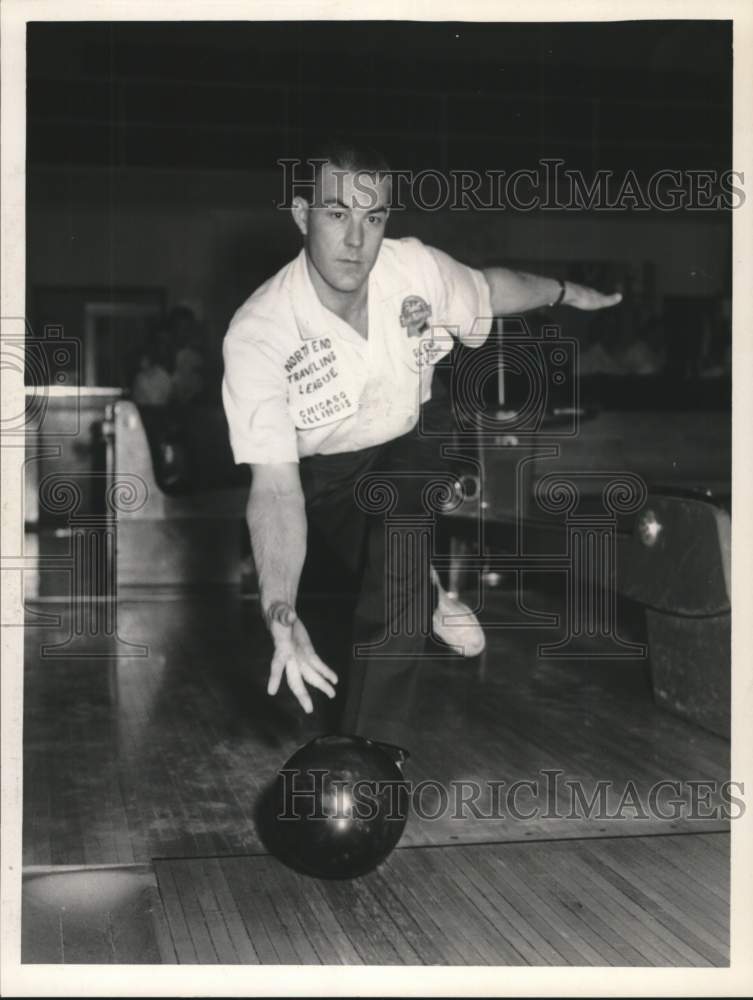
[630, 901]
[156, 763]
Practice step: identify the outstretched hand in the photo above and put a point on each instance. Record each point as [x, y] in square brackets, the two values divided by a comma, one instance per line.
[295, 657]
[582, 297]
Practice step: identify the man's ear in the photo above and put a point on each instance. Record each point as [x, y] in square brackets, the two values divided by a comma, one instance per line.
[300, 209]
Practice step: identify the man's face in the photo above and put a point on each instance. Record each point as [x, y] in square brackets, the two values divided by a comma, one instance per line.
[344, 227]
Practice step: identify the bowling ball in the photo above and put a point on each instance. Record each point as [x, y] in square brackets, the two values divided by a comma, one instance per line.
[340, 807]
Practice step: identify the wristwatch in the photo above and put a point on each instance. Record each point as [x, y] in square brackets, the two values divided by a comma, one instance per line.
[560, 297]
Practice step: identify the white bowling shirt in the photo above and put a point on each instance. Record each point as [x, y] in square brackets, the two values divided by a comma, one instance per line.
[301, 381]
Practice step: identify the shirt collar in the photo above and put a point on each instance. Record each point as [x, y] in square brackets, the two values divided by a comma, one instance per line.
[315, 320]
[307, 309]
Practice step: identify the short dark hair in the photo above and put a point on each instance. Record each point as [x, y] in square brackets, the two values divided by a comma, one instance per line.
[343, 154]
[350, 156]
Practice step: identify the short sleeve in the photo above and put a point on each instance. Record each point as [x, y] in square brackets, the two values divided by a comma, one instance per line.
[463, 300]
[255, 400]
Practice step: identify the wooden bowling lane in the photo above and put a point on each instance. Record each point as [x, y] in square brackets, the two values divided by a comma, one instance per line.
[128, 759]
[634, 901]
[94, 915]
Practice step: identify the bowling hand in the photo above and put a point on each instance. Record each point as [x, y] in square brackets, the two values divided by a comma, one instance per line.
[295, 656]
[581, 297]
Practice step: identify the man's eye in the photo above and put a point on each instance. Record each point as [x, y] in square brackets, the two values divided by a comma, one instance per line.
[376, 219]
[336, 215]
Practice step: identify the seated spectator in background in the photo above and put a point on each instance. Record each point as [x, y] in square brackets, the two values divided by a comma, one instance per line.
[170, 384]
[595, 359]
[152, 392]
[643, 353]
[625, 353]
[188, 377]
[716, 353]
[188, 373]
[152, 385]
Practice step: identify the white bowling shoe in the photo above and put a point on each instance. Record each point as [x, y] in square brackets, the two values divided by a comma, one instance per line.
[455, 624]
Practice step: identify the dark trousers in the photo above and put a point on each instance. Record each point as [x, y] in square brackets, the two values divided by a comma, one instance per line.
[371, 517]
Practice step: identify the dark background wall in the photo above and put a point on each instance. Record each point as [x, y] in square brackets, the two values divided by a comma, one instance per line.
[152, 147]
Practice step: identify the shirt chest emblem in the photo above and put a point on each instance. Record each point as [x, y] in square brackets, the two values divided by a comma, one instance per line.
[414, 315]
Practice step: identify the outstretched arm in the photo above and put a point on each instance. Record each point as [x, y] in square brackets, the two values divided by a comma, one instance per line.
[276, 516]
[515, 292]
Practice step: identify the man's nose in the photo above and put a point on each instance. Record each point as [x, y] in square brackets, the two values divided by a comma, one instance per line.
[354, 233]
